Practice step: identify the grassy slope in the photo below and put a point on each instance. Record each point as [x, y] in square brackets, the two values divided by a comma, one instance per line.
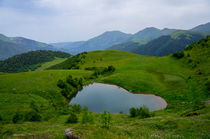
[134, 72]
[51, 63]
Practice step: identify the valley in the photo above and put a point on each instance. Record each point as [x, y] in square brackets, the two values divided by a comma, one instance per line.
[183, 85]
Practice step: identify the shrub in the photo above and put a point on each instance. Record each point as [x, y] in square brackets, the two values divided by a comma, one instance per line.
[32, 116]
[72, 118]
[207, 84]
[80, 81]
[111, 68]
[18, 118]
[178, 55]
[61, 84]
[133, 112]
[72, 82]
[142, 112]
[1, 119]
[106, 119]
[76, 108]
[87, 116]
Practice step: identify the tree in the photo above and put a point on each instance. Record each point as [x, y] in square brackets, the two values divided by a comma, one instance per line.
[106, 119]
[33, 116]
[1, 119]
[61, 84]
[142, 112]
[133, 112]
[72, 118]
[18, 117]
[111, 68]
[87, 116]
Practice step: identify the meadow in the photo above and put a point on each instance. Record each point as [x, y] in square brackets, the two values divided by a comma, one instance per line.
[167, 77]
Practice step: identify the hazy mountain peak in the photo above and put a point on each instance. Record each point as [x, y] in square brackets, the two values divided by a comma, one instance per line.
[202, 28]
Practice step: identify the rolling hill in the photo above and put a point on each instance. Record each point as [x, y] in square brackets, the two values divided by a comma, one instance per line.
[10, 46]
[30, 61]
[182, 79]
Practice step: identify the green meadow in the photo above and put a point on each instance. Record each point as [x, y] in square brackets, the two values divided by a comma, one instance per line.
[167, 77]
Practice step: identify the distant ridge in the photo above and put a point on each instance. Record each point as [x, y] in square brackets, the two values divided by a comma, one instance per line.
[29, 61]
[10, 46]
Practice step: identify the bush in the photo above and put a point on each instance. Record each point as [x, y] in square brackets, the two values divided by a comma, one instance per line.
[87, 116]
[32, 116]
[18, 118]
[111, 68]
[178, 55]
[72, 82]
[61, 84]
[72, 118]
[133, 112]
[76, 108]
[106, 119]
[1, 119]
[207, 85]
[142, 112]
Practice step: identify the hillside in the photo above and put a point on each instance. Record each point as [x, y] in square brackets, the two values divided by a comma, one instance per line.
[110, 38]
[197, 56]
[102, 41]
[174, 77]
[29, 61]
[202, 28]
[163, 45]
[10, 46]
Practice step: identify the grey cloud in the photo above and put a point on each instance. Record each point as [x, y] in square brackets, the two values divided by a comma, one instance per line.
[69, 20]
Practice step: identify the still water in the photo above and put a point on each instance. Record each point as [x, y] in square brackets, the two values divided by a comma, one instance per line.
[99, 97]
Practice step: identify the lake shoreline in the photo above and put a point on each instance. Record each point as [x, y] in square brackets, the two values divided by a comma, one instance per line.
[164, 102]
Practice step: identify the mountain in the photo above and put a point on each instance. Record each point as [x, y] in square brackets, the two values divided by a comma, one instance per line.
[202, 28]
[128, 46]
[10, 46]
[167, 44]
[30, 60]
[152, 33]
[111, 38]
[100, 42]
[68, 47]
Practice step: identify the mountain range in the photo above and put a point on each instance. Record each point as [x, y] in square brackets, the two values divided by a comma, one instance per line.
[149, 41]
[10, 46]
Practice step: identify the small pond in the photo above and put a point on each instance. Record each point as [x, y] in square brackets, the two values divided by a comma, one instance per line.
[99, 97]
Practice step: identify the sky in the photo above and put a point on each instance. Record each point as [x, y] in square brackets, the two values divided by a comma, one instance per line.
[74, 20]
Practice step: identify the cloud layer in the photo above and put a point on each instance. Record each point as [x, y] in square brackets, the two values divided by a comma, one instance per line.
[70, 20]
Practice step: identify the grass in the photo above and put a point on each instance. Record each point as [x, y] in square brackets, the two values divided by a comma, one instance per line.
[51, 63]
[164, 76]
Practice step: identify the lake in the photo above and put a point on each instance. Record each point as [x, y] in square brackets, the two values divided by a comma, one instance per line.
[99, 97]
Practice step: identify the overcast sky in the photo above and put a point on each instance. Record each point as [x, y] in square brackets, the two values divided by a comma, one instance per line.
[73, 20]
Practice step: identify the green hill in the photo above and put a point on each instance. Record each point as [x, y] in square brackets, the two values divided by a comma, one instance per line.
[174, 77]
[30, 60]
[10, 46]
[163, 45]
